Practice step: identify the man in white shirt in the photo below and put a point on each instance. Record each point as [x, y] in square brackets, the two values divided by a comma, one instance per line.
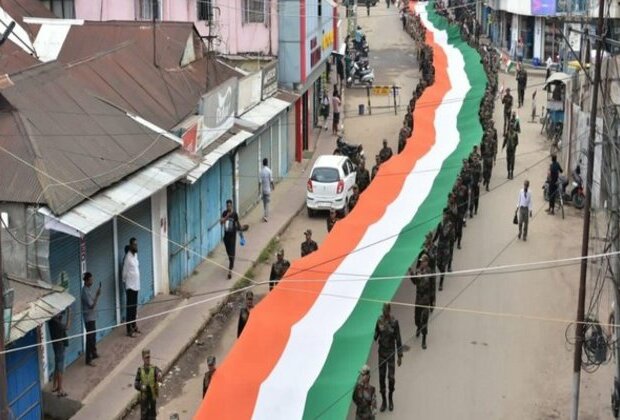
[266, 184]
[524, 208]
[131, 280]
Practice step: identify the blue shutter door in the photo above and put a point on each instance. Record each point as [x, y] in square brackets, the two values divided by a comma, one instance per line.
[226, 186]
[213, 208]
[140, 229]
[100, 262]
[24, 384]
[177, 231]
[194, 229]
[64, 259]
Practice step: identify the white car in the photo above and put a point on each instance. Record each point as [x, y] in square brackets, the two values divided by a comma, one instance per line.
[330, 184]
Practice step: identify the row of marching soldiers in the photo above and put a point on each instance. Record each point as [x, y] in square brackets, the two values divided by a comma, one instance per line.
[435, 259]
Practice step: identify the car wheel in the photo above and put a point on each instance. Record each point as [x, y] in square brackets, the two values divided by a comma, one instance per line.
[310, 212]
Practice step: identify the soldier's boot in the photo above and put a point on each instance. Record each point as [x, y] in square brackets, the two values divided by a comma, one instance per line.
[383, 404]
[391, 401]
[424, 341]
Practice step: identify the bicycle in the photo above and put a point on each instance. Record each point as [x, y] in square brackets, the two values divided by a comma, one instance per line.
[559, 197]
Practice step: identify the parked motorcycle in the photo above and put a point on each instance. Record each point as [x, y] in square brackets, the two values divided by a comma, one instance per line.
[360, 76]
[576, 197]
[355, 152]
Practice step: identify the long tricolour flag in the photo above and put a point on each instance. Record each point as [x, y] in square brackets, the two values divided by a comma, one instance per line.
[301, 351]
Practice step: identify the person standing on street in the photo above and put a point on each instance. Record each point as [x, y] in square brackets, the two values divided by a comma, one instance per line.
[507, 100]
[336, 104]
[403, 18]
[554, 174]
[331, 220]
[231, 225]
[131, 279]
[308, 246]
[89, 311]
[206, 380]
[387, 335]
[386, 152]
[325, 108]
[364, 396]
[278, 269]
[524, 208]
[147, 383]
[58, 334]
[363, 176]
[266, 182]
[521, 83]
[354, 198]
[244, 313]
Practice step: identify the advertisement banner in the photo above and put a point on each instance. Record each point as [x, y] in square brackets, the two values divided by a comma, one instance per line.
[270, 80]
[543, 7]
[218, 109]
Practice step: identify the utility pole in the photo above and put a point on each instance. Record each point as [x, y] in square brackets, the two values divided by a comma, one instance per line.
[4, 403]
[615, 232]
[586, 222]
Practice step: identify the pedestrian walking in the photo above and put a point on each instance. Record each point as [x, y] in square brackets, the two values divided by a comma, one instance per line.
[206, 380]
[524, 208]
[331, 219]
[131, 280]
[147, 382]
[507, 101]
[387, 335]
[278, 269]
[325, 108]
[336, 104]
[266, 182]
[89, 299]
[367, 7]
[230, 222]
[58, 333]
[364, 396]
[553, 190]
[520, 50]
[244, 313]
[403, 18]
[308, 246]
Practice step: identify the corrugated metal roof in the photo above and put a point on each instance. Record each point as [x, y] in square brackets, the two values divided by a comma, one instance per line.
[262, 113]
[34, 304]
[52, 123]
[212, 156]
[103, 206]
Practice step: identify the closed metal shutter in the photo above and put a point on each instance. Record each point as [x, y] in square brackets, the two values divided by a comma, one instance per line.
[284, 149]
[24, 384]
[177, 232]
[140, 229]
[194, 230]
[248, 177]
[64, 263]
[100, 262]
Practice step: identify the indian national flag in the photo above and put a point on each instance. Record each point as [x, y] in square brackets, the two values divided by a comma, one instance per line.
[301, 351]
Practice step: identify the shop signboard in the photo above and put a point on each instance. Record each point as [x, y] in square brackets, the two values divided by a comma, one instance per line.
[218, 108]
[543, 7]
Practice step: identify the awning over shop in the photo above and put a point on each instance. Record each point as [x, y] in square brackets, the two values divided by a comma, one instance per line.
[212, 157]
[95, 211]
[35, 303]
[262, 113]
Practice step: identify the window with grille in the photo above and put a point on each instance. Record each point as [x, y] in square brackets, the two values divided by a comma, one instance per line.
[150, 9]
[205, 9]
[64, 9]
[254, 11]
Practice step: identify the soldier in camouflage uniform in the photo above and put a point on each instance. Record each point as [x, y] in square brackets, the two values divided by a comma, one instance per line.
[364, 397]
[206, 380]
[476, 173]
[423, 294]
[308, 246]
[462, 193]
[278, 269]
[363, 176]
[375, 168]
[444, 236]
[331, 220]
[487, 163]
[244, 313]
[430, 250]
[354, 197]
[511, 141]
[387, 335]
[403, 135]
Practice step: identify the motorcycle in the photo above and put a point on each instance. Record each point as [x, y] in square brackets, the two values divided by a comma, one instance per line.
[576, 197]
[360, 76]
[361, 48]
[352, 151]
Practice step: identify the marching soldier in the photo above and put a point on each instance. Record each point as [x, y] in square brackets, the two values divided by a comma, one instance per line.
[462, 197]
[308, 246]
[147, 382]
[278, 269]
[430, 250]
[403, 135]
[331, 220]
[507, 101]
[244, 313]
[363, 176]
[511, 141]
[487, 164]
[476, 172]
[387, 335]
[423, 293]
[364, 397]
[206, 381]
[444, 236]
[386, 152]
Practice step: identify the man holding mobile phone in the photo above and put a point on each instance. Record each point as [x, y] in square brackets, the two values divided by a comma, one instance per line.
[131, 279]
[89, 305]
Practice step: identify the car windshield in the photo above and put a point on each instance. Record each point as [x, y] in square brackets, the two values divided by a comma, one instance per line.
[325, 175]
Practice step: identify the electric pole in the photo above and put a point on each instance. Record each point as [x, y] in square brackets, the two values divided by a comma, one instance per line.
[4, 403]
[615, 267]
[579, 334]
